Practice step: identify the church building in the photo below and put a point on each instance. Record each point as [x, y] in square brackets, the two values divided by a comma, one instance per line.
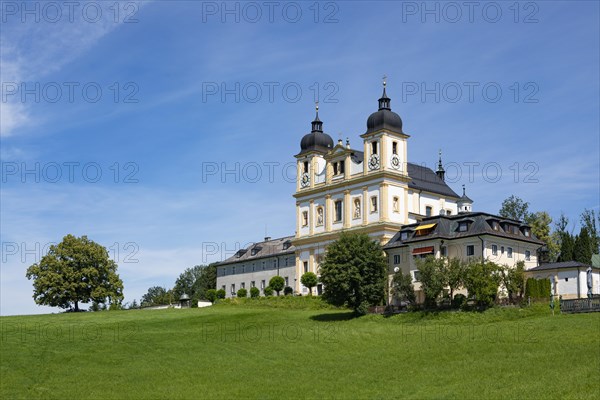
[373, 190]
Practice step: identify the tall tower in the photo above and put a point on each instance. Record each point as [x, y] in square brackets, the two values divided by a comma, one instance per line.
[340, 188]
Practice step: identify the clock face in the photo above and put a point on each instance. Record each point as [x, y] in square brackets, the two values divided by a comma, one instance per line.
[395, 161]
[374, 161]
[305, 180]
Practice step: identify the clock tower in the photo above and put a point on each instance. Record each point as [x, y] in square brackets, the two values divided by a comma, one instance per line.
[339, 188]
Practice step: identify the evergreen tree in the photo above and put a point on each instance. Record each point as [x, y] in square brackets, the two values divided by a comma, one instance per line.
[582, 250]
[588, 220]
[566, 247]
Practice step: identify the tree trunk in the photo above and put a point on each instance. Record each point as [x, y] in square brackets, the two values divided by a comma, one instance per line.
[76, 306]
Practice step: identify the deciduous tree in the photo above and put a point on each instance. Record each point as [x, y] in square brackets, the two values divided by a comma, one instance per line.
[354, 272]
[309, 279]
[77, 270]
[277, 283]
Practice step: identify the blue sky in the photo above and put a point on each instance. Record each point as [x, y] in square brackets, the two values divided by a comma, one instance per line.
[159, 98]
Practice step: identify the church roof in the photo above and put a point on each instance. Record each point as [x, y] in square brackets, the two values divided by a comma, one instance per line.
[446, 227]
[423, 178]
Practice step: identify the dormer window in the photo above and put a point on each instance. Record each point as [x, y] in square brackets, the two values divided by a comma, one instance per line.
[527, 232]
[255, 250]
[463, 226]
[240, 253]
[286, 245]
[404, 235]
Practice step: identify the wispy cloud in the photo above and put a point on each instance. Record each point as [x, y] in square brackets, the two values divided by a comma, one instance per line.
[31, 50]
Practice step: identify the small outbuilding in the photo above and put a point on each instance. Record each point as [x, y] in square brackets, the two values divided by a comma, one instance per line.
[569, 279]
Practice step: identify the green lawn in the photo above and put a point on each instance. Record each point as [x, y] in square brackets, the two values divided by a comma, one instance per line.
[250, 351]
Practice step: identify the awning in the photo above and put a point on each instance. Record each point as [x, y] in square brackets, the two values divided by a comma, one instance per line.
[422, 250]
[427, 226]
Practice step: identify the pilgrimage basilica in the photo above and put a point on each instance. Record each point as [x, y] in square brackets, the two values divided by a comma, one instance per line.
[409, 208]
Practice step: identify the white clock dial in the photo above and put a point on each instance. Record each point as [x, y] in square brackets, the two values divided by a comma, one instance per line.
[395, 161]
[374, 161]
[305, 180]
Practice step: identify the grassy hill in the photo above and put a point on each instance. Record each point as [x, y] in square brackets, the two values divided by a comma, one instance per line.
[287, 349]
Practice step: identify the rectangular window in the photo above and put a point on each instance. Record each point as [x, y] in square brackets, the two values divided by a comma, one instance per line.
[338, 210]
[305, 266]
[373, 147]
[253, 284]
[527, 255]
[374, 204]
[223, 287]
[341, 167]
[305, 166]
[233, 270]
[526, 232]
[404, 236]
[335, 168]
[443, 251]
[263, 265]
[304, 218]
[428, 211]
[243, 269]
[509, 252]
[394, 147]
[396, 258]
[233, 289]
[287, 281]
[470, 250]
[417, 275]
[243, 286]
[262, 284]
[494, 249]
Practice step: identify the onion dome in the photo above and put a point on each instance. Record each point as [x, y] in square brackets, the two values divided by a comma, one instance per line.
[316, 140]
[384, 118]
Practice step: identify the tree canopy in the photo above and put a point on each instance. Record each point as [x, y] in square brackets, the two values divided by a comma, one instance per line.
[157, 296]
[310, 280]
[514, 207]
[195, 282]
[354, 272]
[77, 270]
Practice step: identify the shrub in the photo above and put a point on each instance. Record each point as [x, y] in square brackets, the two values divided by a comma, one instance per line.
[277, 283]
[268, 291]
[288, 291]
[221, 294]
[458, 300]
[242, 293]
[211, 295]
[254, 292]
